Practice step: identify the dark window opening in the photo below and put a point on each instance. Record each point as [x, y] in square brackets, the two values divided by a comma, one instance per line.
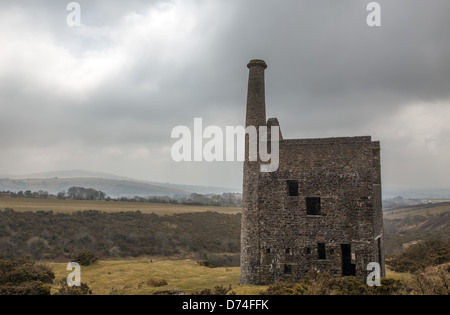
[292, 187]
[313, 205]
[348, 269]
[288, 250]
[287, 269]
[268, 250]
[308, 250]
[321, 251]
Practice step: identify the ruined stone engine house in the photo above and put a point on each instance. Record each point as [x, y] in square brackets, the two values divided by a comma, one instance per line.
[320, 210]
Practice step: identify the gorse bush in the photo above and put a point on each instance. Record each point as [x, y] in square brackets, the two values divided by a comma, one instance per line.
[435, 284]
[86, 259]
[218, 260]
[323, 284]
[218, 290]
[64, 289]
[26, 288]
[24, 277]
[316, 283]
[421, 255]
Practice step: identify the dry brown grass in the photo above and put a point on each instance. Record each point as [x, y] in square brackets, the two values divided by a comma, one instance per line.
[155, 283]
[132, 276]
[70, 206]
[402, 213]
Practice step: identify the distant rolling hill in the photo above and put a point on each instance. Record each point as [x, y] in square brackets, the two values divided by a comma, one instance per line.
[114, 186]
[111, 187]
[68, 174]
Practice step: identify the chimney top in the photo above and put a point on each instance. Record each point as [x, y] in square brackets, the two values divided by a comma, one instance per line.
[257, 62]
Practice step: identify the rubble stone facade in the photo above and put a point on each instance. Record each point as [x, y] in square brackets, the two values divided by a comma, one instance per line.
[320, 210]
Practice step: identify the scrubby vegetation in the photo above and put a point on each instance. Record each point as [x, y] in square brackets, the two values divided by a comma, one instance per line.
[404, 227]
[323, 284]
[219, 260]
[53, 236]
[24, 277]
[418, 260]
[64, 289]
[86, 259]
[421, 255]
[218, 290]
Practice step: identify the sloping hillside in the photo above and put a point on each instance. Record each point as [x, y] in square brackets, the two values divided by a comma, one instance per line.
[410, 225]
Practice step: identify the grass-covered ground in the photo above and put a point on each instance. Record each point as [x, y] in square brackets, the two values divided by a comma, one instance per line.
[134, 276]
[70, 206]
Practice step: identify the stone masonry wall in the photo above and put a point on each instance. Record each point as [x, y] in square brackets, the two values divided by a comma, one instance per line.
[338, 180]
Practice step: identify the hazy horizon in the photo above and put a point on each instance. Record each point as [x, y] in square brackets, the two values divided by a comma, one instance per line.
[407, 193]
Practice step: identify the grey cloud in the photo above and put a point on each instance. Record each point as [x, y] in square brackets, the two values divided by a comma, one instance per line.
[329, 74]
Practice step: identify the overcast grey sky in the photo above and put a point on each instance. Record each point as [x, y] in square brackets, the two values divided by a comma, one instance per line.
[105, 96]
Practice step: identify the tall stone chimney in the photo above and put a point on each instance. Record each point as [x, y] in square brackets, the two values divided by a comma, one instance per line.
[256, 99]
[255, 116]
